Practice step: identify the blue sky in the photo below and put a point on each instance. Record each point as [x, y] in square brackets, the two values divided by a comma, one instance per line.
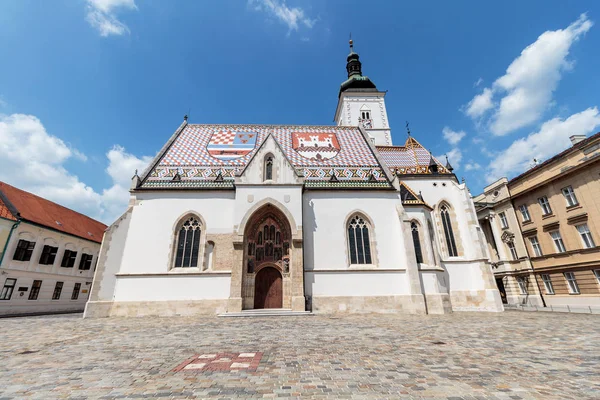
[90, 90]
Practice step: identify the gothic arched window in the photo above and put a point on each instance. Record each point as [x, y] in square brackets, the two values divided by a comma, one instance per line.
[448, 232]
[359, 245]
[188, 243]
[269, 168]
[416, 241]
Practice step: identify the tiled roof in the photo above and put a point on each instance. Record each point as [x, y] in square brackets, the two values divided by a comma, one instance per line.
[349, 156]
[412, 158]
[5, 212]
[409, 197]
[575, 147]
[43, 212]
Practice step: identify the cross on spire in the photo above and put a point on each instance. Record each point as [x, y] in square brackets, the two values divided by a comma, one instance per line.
[407, 128]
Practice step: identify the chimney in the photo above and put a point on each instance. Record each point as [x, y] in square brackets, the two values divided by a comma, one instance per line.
[577, 138]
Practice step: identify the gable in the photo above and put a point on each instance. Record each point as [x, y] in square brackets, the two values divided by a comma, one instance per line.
[282, 170]
[412, 158]
[201, 152]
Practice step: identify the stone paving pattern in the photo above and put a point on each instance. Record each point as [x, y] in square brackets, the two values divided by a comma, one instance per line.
[511, 355]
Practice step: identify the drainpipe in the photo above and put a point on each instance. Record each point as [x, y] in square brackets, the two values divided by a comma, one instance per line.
[538, 285]
[8, 240]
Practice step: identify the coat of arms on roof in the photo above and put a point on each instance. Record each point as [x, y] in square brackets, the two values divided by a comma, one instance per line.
[316, 146]
[228, 145]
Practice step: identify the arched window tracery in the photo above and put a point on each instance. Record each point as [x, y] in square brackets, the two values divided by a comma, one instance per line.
[188, 243]
[448, 231]
[268, 242]
[416, 242]
[269, 168]
[359, 244]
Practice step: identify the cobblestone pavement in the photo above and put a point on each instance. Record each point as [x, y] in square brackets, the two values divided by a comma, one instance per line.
[511, 355]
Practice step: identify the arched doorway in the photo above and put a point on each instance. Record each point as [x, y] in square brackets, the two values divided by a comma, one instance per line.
[266, 276]
[268, 288]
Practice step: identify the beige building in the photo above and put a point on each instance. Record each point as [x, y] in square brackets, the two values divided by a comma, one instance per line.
[553, 210]
[507, 251]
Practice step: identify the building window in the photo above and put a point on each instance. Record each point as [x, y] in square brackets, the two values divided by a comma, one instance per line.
[48, 255]
[537, 250]
[570, 196]
[365, 114]
[24, 250]
[524, 213]
[503, 220]
[522, 284]
[75, 294]
[416, 241]
[35, 290]
[431, 240]
[448, 232]
[358, 241]
[86, 262]
[188, 243]
[9, 286]
[572, 282]
[586, 236]
[597, 275]
[513, 250]
[545, 204]
[57, 291]
[548, 284]
[269, 168]
[558, 242]
[68, 260]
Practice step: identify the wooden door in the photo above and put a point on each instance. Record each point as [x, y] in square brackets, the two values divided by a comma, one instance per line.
[502, 290]
[268, 291]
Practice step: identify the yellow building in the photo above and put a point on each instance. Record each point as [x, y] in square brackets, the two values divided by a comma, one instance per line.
[553, 210]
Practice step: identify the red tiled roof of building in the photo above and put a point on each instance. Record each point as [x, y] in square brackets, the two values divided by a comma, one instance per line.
[5, 212]
[412, 158]
[563, 153]
[43, 212]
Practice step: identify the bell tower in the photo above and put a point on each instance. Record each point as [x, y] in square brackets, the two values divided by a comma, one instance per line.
[361, 104]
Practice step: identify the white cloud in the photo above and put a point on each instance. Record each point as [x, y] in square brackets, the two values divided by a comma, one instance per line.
[472, 166]
[552, 138]
[292, 17]
[3, 103]
[480, 104]
[479, 82]
[453, 137]
[526, 89]
[101, 15]
[454, 157]
[33, 160]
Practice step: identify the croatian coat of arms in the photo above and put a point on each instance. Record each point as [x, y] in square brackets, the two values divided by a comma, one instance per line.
[228, 145]
[317, 146]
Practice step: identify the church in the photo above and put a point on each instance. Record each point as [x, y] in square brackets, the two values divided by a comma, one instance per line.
[328, 219]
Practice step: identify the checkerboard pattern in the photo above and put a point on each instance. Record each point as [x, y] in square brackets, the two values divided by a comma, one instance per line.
[224, 362]
[410, 158]
[223, 137]
[189, 152]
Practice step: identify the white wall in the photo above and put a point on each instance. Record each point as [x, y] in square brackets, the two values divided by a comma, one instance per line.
[154, 219]
[350, 111]
[356, 283]
[173, 287]
[325, 217]
[25, 272]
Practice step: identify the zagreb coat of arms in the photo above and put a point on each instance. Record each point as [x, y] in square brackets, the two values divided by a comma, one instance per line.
[316, 146]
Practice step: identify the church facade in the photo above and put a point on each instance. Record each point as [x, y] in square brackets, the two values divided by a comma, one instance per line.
[326, 219]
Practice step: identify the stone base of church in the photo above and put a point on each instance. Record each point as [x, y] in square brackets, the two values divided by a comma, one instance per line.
[438, 303]
[476, 300]
[298, 303]
[409, 304]
[103, 309]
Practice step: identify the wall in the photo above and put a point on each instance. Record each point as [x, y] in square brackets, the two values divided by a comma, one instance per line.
[27, 271]
[349, 113]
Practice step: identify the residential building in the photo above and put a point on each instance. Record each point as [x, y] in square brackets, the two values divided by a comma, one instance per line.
[336, 218]
[48, 256]
[557, 209]
[507, 251]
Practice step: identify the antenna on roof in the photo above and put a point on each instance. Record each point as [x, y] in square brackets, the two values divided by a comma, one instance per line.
[407, 128]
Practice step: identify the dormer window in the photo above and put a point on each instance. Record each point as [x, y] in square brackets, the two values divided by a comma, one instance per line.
[365, 114]
[268, 168]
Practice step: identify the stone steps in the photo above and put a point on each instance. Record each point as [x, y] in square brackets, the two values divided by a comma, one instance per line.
[267, 312]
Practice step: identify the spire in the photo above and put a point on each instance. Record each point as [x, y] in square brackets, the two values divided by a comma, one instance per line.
[433, 167]
[448, 166]
[355, 80]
